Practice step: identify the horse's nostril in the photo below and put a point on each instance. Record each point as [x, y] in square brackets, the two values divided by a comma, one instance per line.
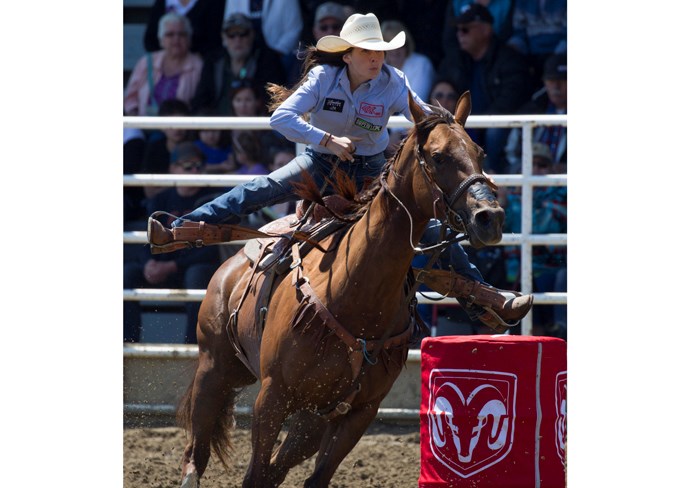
[488, 217]
[483, 218]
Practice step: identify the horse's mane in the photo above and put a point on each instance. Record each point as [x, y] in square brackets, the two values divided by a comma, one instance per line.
[345, 187]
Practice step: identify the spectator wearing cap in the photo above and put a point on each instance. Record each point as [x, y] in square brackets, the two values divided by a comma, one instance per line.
[550, 99]
[549, 262]
[241, 57]
[205, 16]
[495, 74]
[329, 18]
[278, 22]
[539, 30]
[191, 269]
[501, 11]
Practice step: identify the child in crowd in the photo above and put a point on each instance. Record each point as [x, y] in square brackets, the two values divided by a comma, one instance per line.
[214, 145]
[248, 154]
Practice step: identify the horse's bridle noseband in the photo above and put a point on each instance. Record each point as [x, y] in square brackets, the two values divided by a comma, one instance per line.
[456, 222]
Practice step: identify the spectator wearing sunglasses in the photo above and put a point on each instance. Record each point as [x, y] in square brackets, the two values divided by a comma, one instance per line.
[205, 16]
[501, 11]
[496, 75]
[171, 72]
[241, 57]
[191, 270]
[329, 18]
[277, 22]
[444, 93]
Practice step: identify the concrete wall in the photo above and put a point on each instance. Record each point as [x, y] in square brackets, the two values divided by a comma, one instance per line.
[157, 375]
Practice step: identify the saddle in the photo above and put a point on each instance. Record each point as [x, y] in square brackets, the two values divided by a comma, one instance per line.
[275, 251]
[271, 259]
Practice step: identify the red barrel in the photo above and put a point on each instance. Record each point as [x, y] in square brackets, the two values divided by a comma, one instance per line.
[493, 411]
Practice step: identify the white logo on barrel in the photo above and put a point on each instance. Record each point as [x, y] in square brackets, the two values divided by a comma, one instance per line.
[561, 420]
[471, 417]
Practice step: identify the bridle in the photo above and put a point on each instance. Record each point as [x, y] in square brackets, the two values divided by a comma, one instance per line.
[442, 204]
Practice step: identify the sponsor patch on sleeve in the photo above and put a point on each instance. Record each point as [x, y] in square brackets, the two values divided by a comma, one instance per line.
[365, 124]
[333, 104]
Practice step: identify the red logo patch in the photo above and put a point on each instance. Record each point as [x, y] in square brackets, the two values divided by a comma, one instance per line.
[471, 418]
[369, 110]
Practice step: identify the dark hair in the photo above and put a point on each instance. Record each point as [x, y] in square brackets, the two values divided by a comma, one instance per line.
[311, 57]
[237, 86]
[173, 106]
[250, 145]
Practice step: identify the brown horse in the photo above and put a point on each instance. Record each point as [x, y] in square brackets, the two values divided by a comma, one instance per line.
[337, 329]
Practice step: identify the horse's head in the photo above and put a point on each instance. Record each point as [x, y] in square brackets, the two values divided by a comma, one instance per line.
[452, 165]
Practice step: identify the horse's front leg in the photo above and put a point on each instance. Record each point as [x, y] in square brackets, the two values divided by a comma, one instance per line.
[339, 439]
[302, 441]
[270, 411]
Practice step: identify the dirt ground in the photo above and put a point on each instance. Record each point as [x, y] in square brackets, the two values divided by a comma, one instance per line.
[387, 456]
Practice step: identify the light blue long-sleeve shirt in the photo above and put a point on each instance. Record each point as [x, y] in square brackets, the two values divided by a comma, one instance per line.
[362, 114]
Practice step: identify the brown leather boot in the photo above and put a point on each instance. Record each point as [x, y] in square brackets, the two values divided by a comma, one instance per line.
[161, 239]
[195, 234]
[500, 312]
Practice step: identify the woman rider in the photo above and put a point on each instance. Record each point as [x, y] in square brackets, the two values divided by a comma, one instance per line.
[350, 95]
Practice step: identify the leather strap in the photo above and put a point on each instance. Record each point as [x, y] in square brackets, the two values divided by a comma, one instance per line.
[357, 348]
[202, 234]
[449, 283]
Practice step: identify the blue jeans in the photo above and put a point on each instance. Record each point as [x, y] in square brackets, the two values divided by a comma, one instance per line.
[277, 187]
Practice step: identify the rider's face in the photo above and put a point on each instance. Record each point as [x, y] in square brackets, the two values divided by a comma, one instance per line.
[364, 64]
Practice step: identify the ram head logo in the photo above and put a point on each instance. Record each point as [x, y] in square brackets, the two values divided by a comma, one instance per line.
[471, 421]
[561, 420]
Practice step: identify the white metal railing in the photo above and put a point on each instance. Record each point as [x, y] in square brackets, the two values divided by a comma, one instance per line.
[526, 240]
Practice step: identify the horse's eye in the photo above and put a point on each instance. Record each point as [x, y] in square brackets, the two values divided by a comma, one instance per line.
[438, 158]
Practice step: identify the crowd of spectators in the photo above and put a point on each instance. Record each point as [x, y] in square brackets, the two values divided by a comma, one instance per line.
[214, 58]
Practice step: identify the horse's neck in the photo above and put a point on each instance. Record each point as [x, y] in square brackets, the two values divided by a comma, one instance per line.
[389, 229]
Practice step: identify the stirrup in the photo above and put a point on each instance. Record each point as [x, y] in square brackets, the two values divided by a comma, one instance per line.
[160, 238]
[492, 319]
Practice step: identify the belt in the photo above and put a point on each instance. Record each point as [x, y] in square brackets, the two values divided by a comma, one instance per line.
[356, 159]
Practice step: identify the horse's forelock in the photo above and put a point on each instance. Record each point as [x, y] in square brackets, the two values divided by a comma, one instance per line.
[437, 115]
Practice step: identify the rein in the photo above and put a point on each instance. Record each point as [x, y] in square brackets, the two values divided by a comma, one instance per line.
[456, 223]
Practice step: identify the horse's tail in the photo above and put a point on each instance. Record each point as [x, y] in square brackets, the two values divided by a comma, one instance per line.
[221, 444]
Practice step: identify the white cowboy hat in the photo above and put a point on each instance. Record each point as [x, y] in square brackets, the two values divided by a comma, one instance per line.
[360, 31]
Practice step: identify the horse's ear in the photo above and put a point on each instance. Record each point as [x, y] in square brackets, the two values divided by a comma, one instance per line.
[417, 112]
[463, 108]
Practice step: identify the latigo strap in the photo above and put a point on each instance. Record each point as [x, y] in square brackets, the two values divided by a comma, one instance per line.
[195, 234]
[205, 234]
[500, 313]
[451, 284]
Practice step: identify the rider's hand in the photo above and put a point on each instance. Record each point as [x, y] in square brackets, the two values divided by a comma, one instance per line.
[343, 147]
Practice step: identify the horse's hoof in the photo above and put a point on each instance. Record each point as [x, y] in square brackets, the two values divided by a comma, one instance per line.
[190, 481]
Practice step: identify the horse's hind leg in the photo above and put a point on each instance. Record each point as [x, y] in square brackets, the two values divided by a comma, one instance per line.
[302, 441]
[207, 411]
